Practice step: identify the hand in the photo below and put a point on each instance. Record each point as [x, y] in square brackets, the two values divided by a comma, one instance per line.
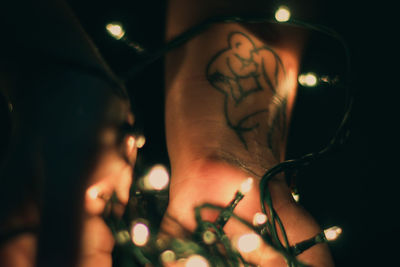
[217, 184]
[113, 174]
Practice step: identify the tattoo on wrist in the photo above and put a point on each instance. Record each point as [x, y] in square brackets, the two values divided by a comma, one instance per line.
[243, 72]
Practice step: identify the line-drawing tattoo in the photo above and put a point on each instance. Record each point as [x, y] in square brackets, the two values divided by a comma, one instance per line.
[241, 70]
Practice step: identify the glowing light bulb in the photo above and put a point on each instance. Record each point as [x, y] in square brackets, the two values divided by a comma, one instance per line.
[246, 185]
[332, 233]
[122, 237]
[308, 79]
[296, 196]
[93, 192]
[248, 242]
[140, 141]
[168, 256]
[282, 14]
[209, 237]
[157, 179]
[259, 219]
[140, 234]
[196, 261]
[115, 30]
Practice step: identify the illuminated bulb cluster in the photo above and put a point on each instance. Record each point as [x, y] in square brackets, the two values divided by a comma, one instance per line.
[282, 14]
[308, 79]
[140, 234]
[115, 30]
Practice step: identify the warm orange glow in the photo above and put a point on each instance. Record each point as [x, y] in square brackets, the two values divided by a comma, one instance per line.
[93, 192]
[130, 143]
[94, 202]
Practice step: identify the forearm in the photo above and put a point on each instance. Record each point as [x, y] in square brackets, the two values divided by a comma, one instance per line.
[239, 110]
[227, 119]
[229, 95]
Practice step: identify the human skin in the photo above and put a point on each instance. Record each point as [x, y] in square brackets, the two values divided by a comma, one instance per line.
[229, 94]
[113, 172]
[55, 53]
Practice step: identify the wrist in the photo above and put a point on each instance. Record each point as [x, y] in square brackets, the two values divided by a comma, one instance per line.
[216, 183]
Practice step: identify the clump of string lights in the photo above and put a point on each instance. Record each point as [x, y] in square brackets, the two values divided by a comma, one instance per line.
[209, 245]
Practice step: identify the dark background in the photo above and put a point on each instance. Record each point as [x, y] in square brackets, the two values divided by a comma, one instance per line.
[353, 186]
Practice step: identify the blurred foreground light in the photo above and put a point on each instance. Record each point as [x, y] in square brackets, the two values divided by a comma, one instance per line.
[248, 242]
[259, 219]
[332, 233]
[122, 237]
[168, 256]
[140, 141]
[246, 185]
[308, 79]
[157, 179]
[196, 261]
[115, 30]
[209, 237]
[282, 14]
[130, 142]
[131, 149]
[93, 192]
[140, 234]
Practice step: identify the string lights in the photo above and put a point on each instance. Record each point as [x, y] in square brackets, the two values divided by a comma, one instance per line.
[140, 141]
[282, 14]
[308, 79]
[157, 179]
[115, 30]
[248, 242]
[196, 261]
[208, 245]
[140, 234]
